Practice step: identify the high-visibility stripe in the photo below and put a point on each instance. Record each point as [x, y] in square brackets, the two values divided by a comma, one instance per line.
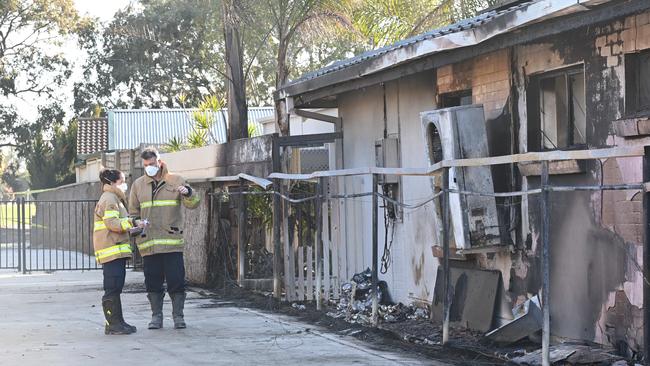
[152, 242]
[99, 225]
[115, 249]
[111, 214]
[159, 203]
[126, 224]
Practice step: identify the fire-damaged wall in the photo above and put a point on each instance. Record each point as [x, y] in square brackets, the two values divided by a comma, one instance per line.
[486, 80]
[596, 287]
[596, 238]
[390, 110]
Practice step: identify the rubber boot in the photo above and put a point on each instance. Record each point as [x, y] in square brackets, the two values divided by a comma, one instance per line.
[156, 301]
[113, 325]
[121, 317]
[178, 303]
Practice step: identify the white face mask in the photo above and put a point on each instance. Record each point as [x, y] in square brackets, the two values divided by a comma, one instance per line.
[123, 187]
[151, 170]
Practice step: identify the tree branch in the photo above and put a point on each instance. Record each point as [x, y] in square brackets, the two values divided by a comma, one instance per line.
[257, 51]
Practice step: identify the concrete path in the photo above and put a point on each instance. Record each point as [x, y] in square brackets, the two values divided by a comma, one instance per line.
[56, 319]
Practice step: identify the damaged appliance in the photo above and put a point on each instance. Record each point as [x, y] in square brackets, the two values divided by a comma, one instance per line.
[528, 320]
[460, 133]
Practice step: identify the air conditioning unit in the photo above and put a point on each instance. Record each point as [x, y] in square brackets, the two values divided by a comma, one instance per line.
[460, 133]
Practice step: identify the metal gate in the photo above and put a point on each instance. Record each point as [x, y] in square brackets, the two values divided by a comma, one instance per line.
[47, 235]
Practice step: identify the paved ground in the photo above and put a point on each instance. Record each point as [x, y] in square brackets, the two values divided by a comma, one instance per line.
[56, 319]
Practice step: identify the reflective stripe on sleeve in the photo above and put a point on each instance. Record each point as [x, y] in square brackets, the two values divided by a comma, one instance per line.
[115, 249]
[126, 224]
[111, 214]
[99, 225]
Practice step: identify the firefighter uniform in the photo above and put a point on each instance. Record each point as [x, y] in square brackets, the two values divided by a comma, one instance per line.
[161, 244]
[112, 249]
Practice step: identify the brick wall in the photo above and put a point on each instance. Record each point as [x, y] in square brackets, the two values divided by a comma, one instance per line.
[618, 38]
[622, 211]
[488, 76]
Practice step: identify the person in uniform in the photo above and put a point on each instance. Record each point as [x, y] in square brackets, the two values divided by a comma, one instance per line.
[157, 198]
[112, 247]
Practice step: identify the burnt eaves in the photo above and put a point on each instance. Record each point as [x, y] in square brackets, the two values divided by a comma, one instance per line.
[462, 35]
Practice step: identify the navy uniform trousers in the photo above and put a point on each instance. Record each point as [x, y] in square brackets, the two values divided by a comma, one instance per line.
[159, 268]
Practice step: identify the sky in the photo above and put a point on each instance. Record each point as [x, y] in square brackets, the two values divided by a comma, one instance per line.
[102, 9]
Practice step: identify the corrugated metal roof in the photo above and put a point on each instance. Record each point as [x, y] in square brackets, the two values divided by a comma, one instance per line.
[129, 128]
[466, 24]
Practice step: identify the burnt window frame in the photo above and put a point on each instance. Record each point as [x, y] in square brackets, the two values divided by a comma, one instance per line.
[633, 104]
[454, 99]
[535, 136]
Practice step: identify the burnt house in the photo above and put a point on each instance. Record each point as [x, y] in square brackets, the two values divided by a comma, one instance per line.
[544, 75]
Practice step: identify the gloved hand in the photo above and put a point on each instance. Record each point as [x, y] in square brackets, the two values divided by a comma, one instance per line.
[183, 190]
[135, 231]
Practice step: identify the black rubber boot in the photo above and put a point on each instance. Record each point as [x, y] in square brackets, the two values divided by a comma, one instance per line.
[156, 301]
[178, 303]
[121, 317]
[113, 325]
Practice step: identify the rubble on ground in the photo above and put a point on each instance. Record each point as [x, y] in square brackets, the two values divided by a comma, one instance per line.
[571, 354]
[413, 324]
[355, 304]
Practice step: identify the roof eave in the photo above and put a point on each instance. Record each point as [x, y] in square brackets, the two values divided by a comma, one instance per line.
[508, 22]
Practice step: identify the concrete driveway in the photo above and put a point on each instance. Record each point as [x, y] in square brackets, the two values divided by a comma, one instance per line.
[56, 319]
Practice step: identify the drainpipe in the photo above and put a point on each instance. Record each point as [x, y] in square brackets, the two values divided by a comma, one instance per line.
[375, 251]
[646, 259]
[446, 213]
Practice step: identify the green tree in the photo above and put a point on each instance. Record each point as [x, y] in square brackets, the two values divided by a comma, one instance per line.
[295, 31]
[14, 177]
[150, 54]
[154, 52]
[32, 66]
[383, 22]
[161, 49]
[201, 123]
[52, 152]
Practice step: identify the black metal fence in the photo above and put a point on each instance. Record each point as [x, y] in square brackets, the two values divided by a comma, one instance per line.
[10, 235]
[47, 235]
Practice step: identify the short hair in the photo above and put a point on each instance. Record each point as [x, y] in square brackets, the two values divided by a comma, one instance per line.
[108, 176]
[150, 153]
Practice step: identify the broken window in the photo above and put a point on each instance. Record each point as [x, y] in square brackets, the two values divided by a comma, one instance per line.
[637, 83]
[456, 99]
[557, 106]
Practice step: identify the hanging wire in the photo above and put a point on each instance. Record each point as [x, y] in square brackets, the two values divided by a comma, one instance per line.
[413, 206]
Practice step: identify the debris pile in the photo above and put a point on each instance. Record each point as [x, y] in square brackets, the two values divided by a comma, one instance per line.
[571, 354]
[400, 312]
[355, 304]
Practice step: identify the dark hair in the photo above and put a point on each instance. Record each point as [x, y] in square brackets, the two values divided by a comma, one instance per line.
[108, 176]
[149, 153]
